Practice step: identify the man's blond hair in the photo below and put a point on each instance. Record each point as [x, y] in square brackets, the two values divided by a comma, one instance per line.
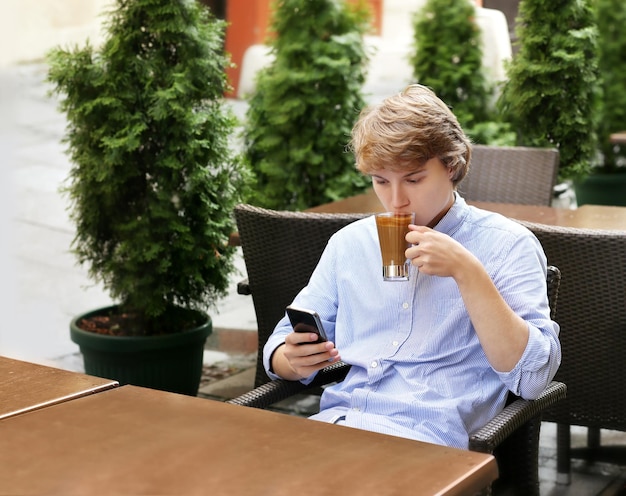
[406, 130]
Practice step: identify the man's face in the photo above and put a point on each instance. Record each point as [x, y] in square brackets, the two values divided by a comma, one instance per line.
[427, 191]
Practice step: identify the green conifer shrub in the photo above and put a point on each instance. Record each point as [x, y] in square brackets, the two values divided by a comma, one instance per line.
[551, 94]
[447, 57]
[153, 182]
[305, 103]
[611, 18]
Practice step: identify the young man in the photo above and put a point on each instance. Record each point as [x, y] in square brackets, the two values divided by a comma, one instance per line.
[432, 358]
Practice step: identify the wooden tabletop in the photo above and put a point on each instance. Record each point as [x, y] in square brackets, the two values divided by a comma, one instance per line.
[600, 217]
[619, 138]
[132, 440]
[26, 386]
[364, 203]
[586, 216]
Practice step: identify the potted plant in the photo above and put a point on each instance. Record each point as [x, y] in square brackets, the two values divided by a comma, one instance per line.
[550, 96]
[447, 57]
[152, 187]
[305, 104]
[606, 184]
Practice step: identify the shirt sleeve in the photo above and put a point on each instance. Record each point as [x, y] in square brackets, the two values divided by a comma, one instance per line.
[523, 283]
[321, 300]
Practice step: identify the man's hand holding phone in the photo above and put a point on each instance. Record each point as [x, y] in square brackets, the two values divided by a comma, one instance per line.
[307, 349]
[305, 320]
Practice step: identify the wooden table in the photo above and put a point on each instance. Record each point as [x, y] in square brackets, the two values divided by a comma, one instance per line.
[586, 216]
[26, 386]
[618, 138]
[363, 203]
[133, 440]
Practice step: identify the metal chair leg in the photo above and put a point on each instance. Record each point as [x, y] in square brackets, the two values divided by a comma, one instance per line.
[563, 453]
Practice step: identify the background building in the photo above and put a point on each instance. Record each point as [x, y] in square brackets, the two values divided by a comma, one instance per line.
[29, 28]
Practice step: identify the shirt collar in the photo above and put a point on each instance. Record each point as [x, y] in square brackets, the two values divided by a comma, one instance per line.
[454, 217]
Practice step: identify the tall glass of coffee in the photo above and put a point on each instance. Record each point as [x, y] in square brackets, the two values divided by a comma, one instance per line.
[392, 230]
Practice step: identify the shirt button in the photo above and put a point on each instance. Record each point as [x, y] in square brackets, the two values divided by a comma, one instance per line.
[405, 305]
[395, 343]
[374, 365]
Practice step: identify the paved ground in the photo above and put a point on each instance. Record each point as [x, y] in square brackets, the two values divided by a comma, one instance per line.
[42, 288]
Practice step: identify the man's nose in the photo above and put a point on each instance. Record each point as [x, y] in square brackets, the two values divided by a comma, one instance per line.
[398, 198]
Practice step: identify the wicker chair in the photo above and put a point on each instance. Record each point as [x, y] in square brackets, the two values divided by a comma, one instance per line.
[275, 275]
[592, 315]
[280, 251]
[513, 174]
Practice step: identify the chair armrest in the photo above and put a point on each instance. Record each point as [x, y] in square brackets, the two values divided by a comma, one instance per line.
[243, 287]
[513, 416]
[277, 390]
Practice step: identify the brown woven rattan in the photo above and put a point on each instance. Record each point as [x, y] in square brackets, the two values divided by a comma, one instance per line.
[276, 274]
[592, 316]
[513, 174]
[280, 250]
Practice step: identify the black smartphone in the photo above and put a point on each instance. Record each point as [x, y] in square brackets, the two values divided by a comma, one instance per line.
[304, 320]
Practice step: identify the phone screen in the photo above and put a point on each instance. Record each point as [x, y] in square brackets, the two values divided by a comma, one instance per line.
[305, 320]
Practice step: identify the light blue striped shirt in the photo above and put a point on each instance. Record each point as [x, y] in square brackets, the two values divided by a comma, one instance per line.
[418, 370]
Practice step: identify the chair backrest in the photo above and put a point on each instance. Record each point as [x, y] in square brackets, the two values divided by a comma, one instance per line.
[280, 251]
[592, 316]
[511, 174]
